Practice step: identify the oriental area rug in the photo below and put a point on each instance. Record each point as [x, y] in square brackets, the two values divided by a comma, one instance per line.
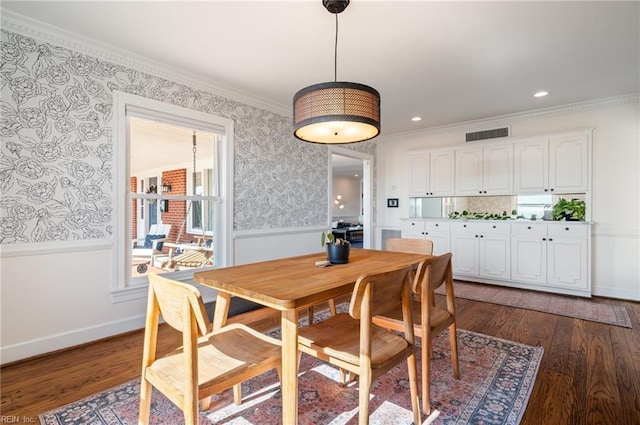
[496, 380]
[562, 305]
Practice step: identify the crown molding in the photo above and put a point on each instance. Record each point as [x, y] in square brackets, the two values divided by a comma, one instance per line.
[23, 25]
[506, 120]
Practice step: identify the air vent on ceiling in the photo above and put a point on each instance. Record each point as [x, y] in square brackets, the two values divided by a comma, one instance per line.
[488, 134]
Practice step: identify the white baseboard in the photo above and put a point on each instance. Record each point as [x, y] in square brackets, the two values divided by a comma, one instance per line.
[622, 294]
[24, 350]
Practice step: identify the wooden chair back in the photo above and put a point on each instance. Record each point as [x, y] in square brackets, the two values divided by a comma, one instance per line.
[414, 246]
[379, 293]
[433, 273]
[178, 303]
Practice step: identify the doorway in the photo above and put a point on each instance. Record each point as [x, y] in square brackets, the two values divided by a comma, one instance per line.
[351, 192]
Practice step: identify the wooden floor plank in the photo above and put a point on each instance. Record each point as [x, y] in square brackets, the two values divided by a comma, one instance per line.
[589, 373]
[603, 396]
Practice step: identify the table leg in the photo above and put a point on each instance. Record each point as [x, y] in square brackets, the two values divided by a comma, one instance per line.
[221, 311]
[289, 367]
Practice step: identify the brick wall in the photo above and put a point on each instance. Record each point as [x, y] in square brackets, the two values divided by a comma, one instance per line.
[177, 209]
[133, 184]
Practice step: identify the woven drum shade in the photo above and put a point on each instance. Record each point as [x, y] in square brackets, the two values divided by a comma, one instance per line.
[336, 112]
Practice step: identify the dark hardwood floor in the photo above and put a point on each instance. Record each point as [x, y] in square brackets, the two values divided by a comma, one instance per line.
[590, 372]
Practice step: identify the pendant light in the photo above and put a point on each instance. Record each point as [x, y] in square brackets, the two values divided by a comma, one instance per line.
[336, 112]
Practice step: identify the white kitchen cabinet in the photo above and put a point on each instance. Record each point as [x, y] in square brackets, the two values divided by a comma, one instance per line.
[555, 255]
[431, 173]
[556, 164]
[567, 256]
[529, 253]
[481, 249]
[484, 170]
[436, 231]
[537, 255]
[568, 164]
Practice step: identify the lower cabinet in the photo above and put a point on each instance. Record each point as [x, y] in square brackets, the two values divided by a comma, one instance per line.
[551, 256]
[436, 231]
[481, 249]
[555, 255]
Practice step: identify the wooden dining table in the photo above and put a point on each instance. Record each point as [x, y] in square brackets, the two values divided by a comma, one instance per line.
[289, 285]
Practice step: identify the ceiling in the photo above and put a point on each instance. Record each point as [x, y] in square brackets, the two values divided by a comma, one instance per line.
[448, 62]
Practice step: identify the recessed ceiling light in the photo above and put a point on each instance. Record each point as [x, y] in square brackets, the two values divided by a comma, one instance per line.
[541, 94]
[416, 119]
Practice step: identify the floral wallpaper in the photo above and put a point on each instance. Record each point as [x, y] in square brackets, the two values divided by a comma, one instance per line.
[56, 160]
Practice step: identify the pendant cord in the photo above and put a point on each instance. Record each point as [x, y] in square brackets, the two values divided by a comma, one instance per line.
[335, 50]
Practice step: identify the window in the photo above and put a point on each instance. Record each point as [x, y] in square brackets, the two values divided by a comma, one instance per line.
[529, 205]
[159, 192]
[200, 217]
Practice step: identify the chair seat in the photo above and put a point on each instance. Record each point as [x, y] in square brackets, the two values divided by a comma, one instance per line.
[338, 337]
[247, 348]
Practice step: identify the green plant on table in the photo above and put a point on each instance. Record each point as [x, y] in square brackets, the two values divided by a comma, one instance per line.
[329, 238]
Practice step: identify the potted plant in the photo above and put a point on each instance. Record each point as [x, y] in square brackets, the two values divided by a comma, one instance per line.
[572, 210]
[337, 248]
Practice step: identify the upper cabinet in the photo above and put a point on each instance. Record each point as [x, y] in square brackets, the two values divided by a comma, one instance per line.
[556, 164]
[431, 173]
[484, 170]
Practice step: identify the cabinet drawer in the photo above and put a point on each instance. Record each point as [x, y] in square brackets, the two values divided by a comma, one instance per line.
[436, 226]
[570, 230]
[496, 228]
[531, 229]
[413, 226]
[466, 227]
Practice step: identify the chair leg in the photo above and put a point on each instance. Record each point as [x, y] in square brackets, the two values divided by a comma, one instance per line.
[190, 411]
[145, 402]
[426, 364]
[363, 399]
[453, 338]
[237, 394]
[332, 307]
[310, 314]
[413, 385]
[205, 403]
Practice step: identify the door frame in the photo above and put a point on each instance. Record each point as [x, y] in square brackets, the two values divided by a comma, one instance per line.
[367, 189]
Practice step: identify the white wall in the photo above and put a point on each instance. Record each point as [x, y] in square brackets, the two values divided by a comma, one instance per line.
[350, 190]
[615, 188]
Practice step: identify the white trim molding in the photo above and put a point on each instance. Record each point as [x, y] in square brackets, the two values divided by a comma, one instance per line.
[20, 250]
[50, 343]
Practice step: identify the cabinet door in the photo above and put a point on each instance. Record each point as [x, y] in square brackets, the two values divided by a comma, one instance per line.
[465, 258]
[440, 242]
[568, 164]
[468, 172]
[531, 169]
[419, 175]
[495, 256]
[413, 229]
[497, 174]
[567, 263]
[441, 176]
[529, 259]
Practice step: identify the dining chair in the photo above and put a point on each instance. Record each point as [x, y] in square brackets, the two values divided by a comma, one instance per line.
[429, 320]
[353, 343]
[411, 245]
[208, 362]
